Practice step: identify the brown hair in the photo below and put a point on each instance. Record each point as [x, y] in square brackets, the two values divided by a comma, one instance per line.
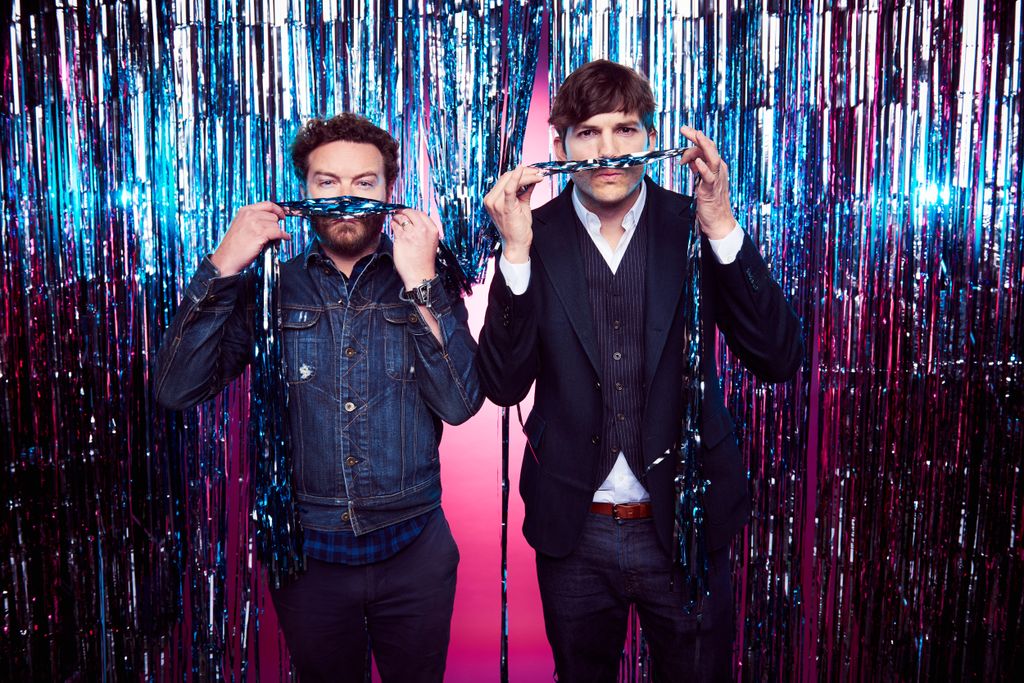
[598, 87]
[347, 128]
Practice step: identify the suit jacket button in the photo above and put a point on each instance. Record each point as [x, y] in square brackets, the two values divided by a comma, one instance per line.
[595, 439]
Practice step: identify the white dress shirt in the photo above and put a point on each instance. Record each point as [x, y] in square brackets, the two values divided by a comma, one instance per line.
[621, 485]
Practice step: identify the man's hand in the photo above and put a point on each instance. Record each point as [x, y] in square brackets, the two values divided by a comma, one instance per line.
[508, 203]
[416, 239]
[253, 228]
[714, 213]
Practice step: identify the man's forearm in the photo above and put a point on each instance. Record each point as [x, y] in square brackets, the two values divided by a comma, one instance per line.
[208, 343]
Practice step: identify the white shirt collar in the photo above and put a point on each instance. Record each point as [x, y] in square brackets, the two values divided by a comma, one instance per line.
[593, 224]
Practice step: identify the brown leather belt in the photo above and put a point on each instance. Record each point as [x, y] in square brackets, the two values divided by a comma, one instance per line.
[622, 510]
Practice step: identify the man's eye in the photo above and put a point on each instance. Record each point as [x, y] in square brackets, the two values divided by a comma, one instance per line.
[365, 183]
[325, 182]
[627, 130]
[586, 133]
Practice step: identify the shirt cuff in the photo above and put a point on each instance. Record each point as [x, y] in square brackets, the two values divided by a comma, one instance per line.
[726, 248]
[517, 275]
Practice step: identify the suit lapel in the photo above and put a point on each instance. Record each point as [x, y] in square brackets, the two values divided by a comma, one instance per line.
[557, 247]
[669, 222]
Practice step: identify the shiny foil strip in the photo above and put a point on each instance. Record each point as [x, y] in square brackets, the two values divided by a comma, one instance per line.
[622, 161]
[338, 207]
[455, 279]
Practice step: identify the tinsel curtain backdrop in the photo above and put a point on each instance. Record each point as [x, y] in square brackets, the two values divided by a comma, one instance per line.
[876, 156]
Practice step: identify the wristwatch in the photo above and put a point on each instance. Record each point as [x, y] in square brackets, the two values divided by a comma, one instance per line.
[420, 294]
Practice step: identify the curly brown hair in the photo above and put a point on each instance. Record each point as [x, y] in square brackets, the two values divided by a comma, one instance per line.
[348, 128]
[599, 87]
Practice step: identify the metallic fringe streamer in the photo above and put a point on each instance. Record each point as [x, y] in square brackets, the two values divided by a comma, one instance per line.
[277, 532]
[688, 531]
[482, 59]
[876, 153]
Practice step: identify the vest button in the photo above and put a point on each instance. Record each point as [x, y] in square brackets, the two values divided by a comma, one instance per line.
[595, 439]
[616, 356]
[620, 417]
[618, 386]
[616, 325]
[597, 385]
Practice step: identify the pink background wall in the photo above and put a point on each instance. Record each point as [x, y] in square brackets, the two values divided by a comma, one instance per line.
[471, 476]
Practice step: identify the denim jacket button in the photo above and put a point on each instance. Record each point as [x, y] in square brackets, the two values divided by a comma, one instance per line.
[344, 517]
[351, 462]
[350, 352]
[413, 318]
[349, 406]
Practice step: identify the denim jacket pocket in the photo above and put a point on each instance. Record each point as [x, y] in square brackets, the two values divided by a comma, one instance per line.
[301, 348]
[399, 359]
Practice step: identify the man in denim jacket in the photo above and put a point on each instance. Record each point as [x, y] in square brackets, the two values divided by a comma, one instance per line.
[377, 355]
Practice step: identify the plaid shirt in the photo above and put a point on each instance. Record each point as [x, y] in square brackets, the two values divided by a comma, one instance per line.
[344, 547]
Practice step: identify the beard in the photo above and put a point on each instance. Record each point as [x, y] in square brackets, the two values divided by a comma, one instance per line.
[349, 237]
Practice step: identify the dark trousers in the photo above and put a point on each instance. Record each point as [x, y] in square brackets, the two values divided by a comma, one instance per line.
[586, 598]
[403, 605]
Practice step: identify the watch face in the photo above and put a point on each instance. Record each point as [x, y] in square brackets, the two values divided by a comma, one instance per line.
[423, 293]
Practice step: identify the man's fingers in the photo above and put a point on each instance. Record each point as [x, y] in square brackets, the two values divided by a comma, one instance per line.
[529, 180]
[415, 222]
[271, 207]
[710, 150]
[706, 174]
[689, 155]
[705, 148]
[524, 192]
[271, 230]
[512, 184]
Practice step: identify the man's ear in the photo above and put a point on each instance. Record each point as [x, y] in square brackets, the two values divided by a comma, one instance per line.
[652, 138]
[560, 153]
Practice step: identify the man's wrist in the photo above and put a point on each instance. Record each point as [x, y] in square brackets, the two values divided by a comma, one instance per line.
[421, 293]
[720, 229]
[417, 280]
[516, 253]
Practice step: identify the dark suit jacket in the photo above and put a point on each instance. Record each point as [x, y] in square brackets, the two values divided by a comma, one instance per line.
[547, 335]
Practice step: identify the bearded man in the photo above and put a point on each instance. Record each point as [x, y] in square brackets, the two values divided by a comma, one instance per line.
[377, 354]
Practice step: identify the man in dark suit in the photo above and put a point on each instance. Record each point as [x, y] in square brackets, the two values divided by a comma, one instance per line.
[587, 302]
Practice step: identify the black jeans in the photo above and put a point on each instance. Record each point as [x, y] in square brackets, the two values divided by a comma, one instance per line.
[403, 605]
[586, 598]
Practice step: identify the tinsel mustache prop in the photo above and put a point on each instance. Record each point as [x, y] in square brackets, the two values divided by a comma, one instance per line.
[356, 207]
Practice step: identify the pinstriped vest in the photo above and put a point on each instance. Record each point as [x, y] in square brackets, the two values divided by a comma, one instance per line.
[617, 305]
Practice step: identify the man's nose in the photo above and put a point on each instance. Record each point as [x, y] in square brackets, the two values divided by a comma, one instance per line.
[606, 145]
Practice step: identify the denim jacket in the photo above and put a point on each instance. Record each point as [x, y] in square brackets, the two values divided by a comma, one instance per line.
[368, 383]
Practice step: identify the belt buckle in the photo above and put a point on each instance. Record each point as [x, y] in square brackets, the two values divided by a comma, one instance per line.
[615, 512]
